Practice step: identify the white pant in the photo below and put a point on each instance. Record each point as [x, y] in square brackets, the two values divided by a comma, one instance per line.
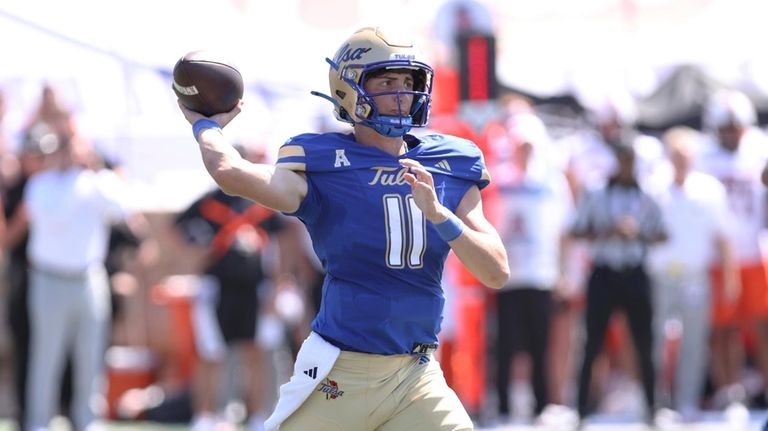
[686, 297]
[68, 315]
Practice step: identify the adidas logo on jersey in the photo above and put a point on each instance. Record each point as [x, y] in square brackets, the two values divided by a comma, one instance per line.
[312, 372]
[443, 164]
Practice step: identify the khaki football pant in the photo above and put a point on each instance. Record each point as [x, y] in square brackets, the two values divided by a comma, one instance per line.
[365, 392]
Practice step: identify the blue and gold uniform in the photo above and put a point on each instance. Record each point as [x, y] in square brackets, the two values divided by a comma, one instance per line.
[383, 260]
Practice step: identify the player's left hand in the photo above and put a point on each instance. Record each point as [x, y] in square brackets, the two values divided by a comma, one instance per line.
[423, 188]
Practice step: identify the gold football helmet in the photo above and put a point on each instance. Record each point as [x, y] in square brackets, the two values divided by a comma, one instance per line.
[371, 49]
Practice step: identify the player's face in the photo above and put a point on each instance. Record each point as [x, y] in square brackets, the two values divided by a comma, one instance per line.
[392, 82]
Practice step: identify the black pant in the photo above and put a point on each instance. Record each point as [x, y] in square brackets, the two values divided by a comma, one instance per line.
[607, 291]
[18, 322]
[523, 325]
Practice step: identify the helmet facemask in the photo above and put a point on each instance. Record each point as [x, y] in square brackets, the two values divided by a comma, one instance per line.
[368, 112]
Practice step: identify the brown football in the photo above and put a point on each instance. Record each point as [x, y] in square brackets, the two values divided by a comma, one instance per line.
[207, 83]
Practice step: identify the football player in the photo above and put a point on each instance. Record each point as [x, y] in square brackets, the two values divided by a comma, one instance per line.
[383, 208]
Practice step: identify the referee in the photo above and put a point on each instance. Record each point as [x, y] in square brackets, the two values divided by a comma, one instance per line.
[620, 221]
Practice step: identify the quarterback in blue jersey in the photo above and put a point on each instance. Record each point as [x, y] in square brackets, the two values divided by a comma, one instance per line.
[383, 208]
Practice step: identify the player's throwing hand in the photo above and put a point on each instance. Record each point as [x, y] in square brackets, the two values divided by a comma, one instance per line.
[221, 119]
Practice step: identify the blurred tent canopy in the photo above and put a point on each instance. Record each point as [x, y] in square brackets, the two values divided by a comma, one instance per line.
[679, 100]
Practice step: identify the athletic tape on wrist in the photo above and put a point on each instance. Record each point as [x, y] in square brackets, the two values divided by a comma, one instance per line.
[202, 124]
[450, 229]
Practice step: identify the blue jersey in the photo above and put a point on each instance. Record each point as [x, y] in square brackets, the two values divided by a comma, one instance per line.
[382, 259]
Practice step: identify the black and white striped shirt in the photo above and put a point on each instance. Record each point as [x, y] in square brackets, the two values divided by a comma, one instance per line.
[599, 211]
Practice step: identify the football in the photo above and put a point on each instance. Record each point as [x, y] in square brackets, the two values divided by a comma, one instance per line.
[207, 83]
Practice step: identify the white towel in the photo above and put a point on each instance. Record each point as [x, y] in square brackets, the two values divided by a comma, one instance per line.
[314, 361]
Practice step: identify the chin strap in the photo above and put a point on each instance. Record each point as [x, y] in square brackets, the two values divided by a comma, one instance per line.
[393, 126]
[389, 126]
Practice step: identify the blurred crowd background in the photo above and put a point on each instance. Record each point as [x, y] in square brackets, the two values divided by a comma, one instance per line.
[555, 93]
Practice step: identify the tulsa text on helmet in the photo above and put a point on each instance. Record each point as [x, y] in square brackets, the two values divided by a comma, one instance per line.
[347, 54]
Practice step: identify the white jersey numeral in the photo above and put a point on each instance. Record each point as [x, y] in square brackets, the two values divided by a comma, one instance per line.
[399, 219]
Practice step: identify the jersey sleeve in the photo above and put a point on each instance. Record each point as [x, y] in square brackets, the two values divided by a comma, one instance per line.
[293, 154]
[299, 154]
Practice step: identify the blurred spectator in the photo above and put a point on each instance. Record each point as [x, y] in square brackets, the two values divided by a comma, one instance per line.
[592, 158]
[695, 213]
[70, 210]
[736, 154]
[38, 142]
[52, 112]
[234, 233]
[534, 205]
[621, 221]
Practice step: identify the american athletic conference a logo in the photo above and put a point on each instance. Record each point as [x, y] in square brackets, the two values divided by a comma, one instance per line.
[330, 388]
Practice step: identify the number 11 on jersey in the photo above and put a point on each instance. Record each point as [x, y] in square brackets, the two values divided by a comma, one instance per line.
[401, 216]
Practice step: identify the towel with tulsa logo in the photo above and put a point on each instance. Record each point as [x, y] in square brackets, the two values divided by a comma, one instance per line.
[382, 259]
